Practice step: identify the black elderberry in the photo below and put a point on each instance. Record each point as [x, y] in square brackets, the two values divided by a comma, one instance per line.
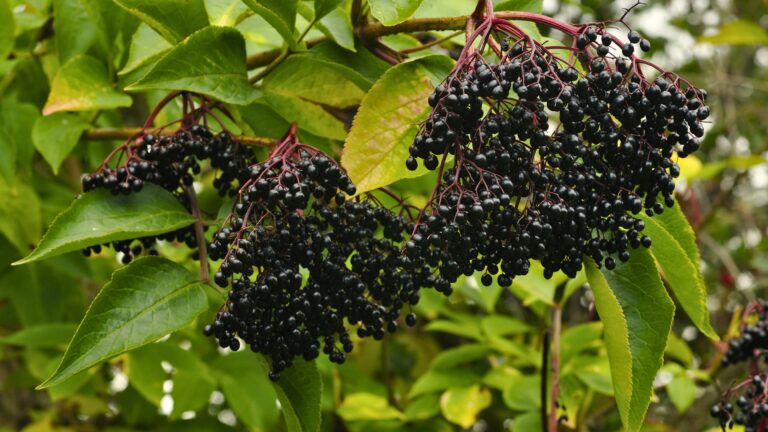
[515, 190]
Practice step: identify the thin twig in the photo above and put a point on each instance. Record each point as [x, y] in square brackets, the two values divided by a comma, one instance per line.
[557, 320]
[202, 248]
[430, 44]
[544, 363]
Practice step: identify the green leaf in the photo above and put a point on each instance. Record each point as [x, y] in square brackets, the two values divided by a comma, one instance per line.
[367, 406]
[738, 32]
[144, 301]
[82, 84]
[7, 29]
[280, 14]
[682, 391]
[324, 7]
[677, 254]
[461, 405]
[311, 117]
[211, 62]
[391, 12]
[20, 215]
[523, 393]
[299, 390]
[530, 421]
[422, 408]
[500, 325]
[579, 338]
[173, 19]
[328, 83]
[224, 12]
[595, 372]
[248, 391]
[146, 46]
[536, 6]
[462, 354]
[56, 135]
[455, 328]
[78, 26]
[633, 304]
[99, 217]
[337, 26]
[438, 380]
[679, 350]
[386, 124]
[193, 380]
[10, 152]
[52, 335]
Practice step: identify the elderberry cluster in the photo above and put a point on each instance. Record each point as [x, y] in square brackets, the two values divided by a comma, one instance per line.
[170, 162]
[557, 165]
[752, 343]
[751, 409]
[302, 259]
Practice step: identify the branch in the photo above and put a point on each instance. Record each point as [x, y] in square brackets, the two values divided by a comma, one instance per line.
[103, 134]
[202, 246]
[373, 30]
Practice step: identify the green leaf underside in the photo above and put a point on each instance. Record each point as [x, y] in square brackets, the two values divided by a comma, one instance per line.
[634, 305]
[144, 301]
[210, 61]
[173, 19]
[676, 253]
[386, 124]
[56, 135]
[99, 217]
[82, 84]
[391, 12]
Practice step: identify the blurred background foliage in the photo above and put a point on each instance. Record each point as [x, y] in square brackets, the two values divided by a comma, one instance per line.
[474, 361]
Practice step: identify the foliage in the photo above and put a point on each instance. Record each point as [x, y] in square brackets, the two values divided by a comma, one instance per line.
[92, 343]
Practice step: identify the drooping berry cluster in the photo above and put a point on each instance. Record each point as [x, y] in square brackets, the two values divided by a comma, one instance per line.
[749, 347]
[170, 162]
[302, 260]
[753, 341]
[548, 162]
[751, 409]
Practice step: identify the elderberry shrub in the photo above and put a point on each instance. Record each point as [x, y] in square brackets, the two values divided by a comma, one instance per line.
[170, 162]
[549, 163]
[752, 401]
[302, 259]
